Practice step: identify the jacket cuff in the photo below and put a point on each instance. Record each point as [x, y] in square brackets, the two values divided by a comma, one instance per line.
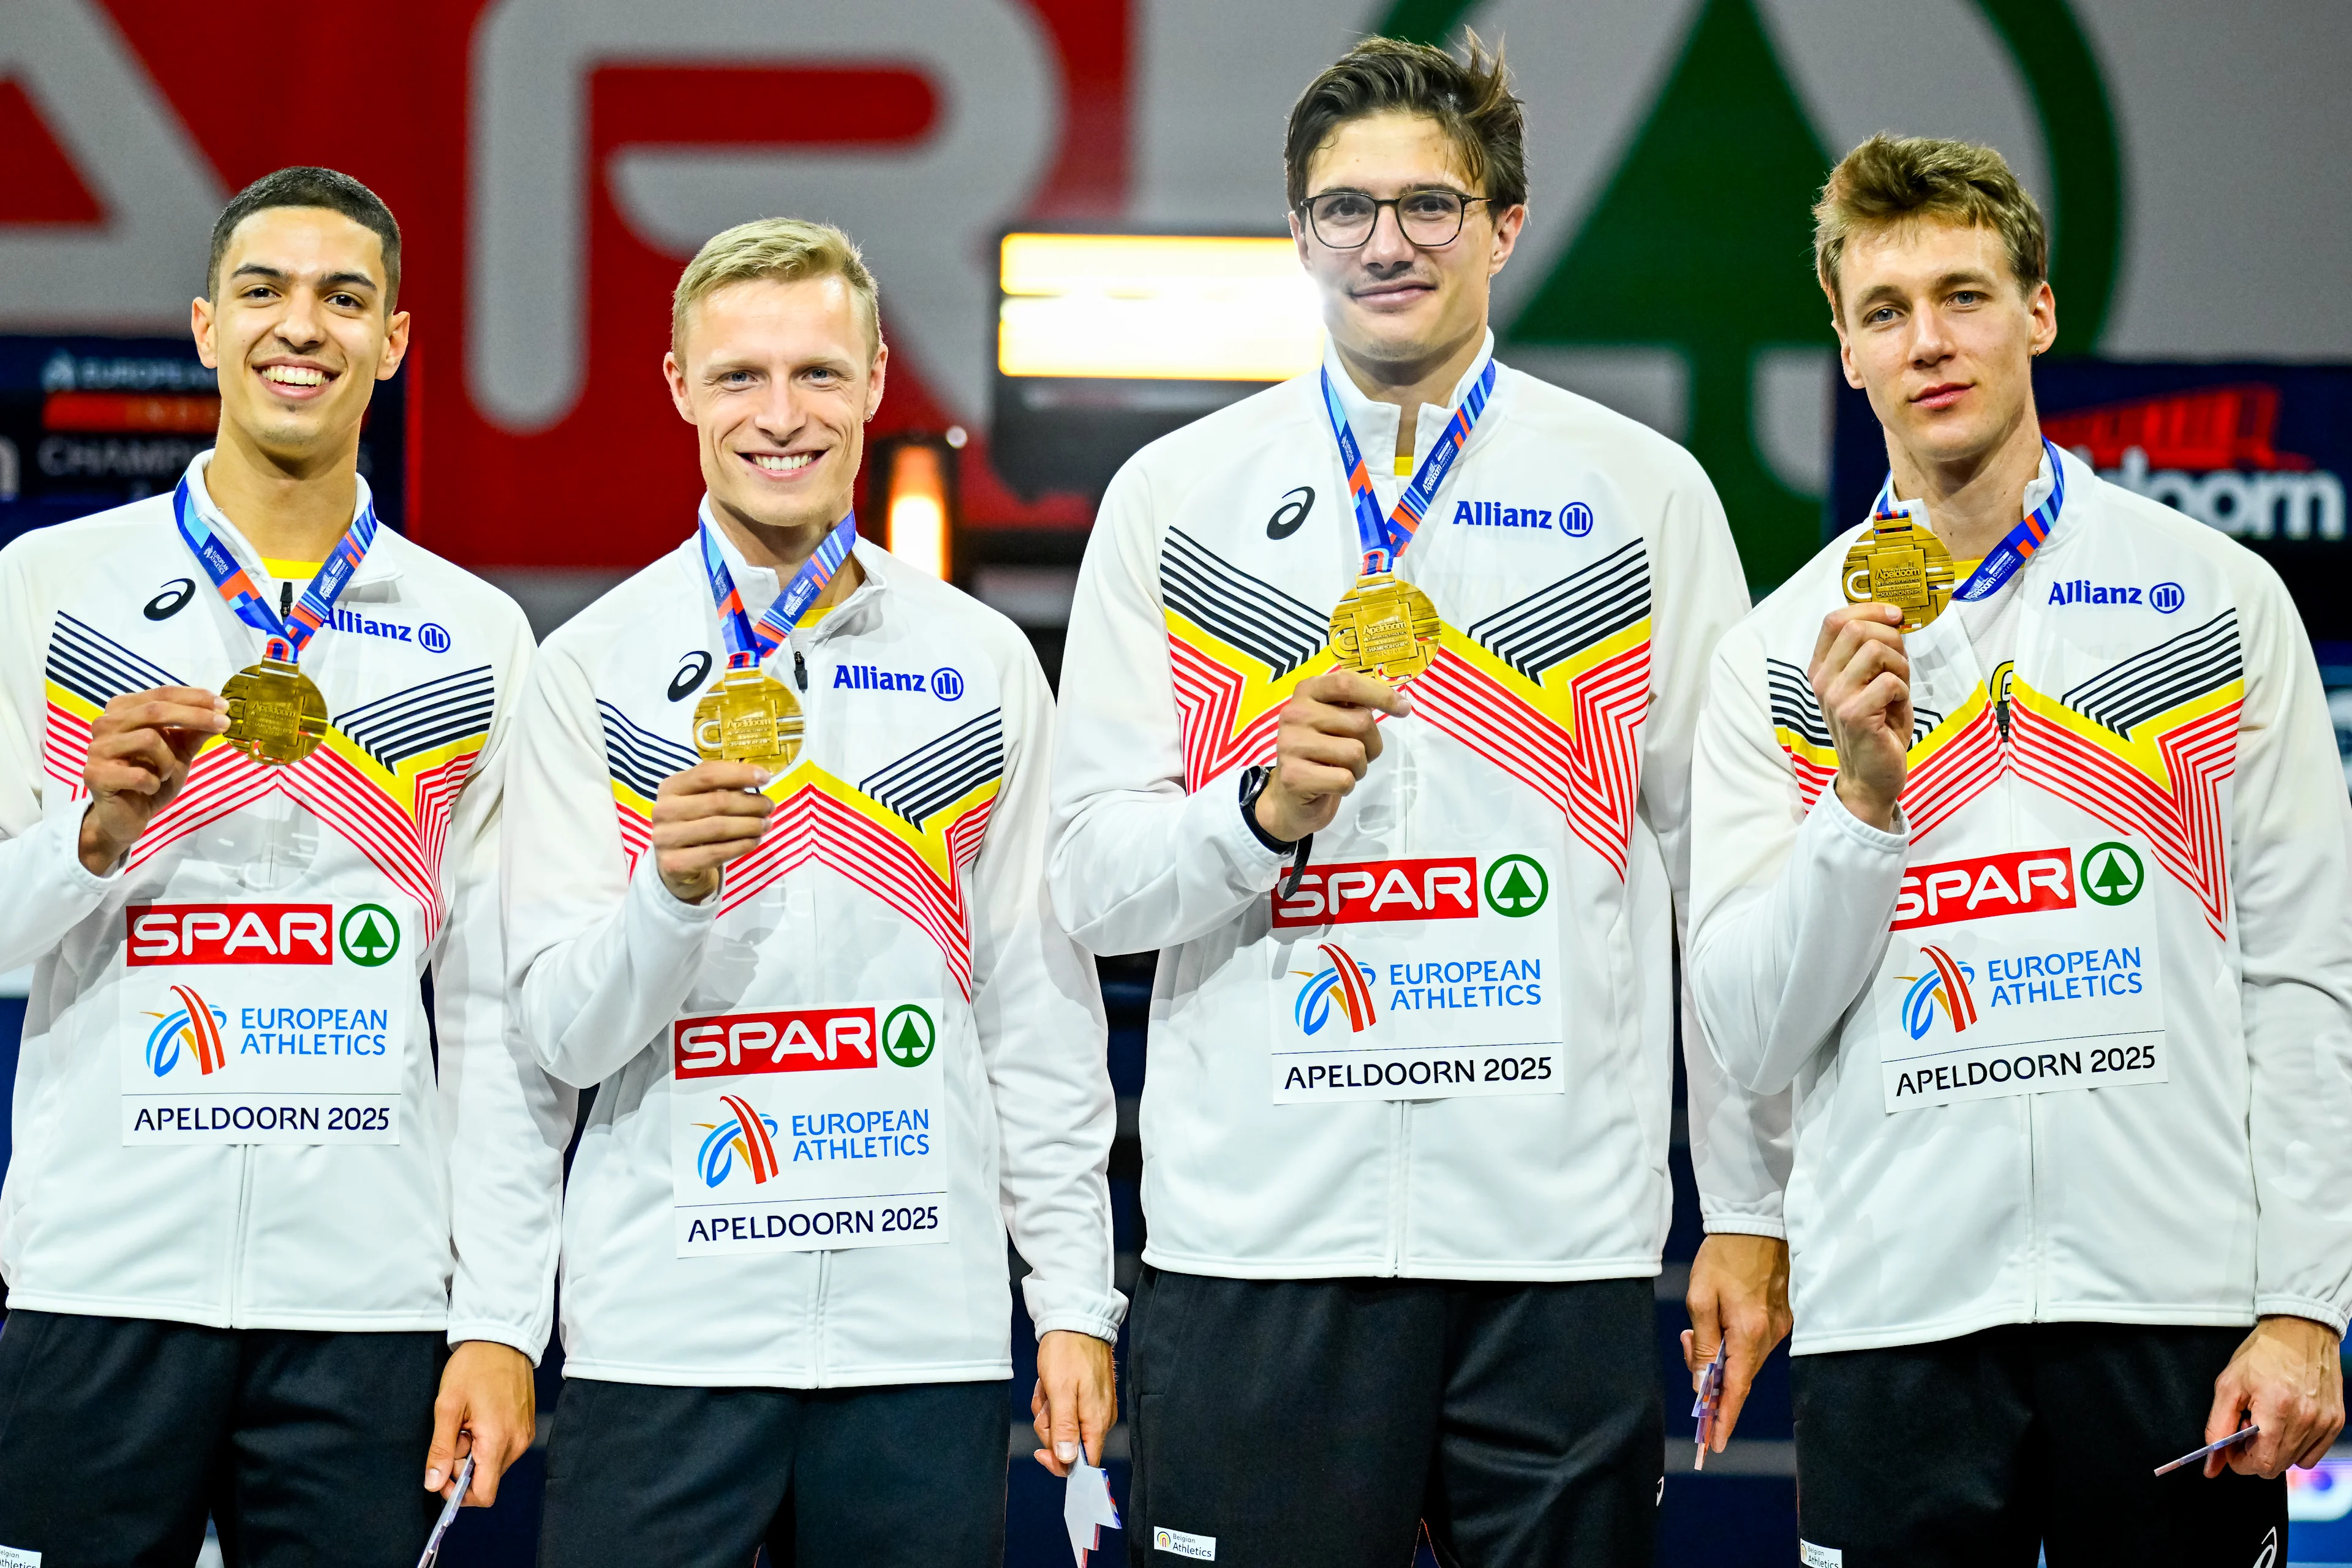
[1232, 837]
[654, 898]
[496, 1333]
[1862, 833]
[2282, 1306]
[1745, 1225]
[1062, 1309]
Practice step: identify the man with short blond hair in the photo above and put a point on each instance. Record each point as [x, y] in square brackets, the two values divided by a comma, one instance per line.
[2036, 899]
[790, 922]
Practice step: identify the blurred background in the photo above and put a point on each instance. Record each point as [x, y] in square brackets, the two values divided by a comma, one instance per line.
[1075, 209]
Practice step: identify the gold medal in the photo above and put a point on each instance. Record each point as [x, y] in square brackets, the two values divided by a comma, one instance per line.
[1902, 565]
[275, 714]
[1385, 626]
[748, 717]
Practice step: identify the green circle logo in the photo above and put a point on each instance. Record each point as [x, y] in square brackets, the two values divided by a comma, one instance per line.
[369, 935]
[2112, 873]
[1517, 886]
[908, 1034]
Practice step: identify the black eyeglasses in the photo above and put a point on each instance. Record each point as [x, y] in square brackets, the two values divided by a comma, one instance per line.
[1343, 220]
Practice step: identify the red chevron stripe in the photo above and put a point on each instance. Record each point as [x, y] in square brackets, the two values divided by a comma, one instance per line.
[1963, 768]
[637, 835]
[65, 748]
[1208, 703]
[2184, 827]
[222, 780]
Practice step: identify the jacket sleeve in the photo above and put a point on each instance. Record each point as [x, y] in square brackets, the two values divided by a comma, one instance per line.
[1038, 1008]
[506, 1122]
[1137, 864]
[49, 889]
[1739, 1141]
[2292, 862]
[599, 959]
[1789, 908]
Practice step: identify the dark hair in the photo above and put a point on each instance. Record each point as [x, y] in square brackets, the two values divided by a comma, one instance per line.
[310, 187]
[1894, 180]
[1470, 99]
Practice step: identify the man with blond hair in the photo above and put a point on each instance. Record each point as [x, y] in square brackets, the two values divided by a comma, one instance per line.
[788, 921]
[2020, 859]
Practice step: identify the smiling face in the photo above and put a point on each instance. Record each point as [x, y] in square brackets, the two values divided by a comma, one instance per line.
[778, 379]
[1936, 327]
[1390, 301]
[298, 330]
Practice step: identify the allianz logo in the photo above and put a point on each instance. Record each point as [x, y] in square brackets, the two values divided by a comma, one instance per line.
[2274, 503]
[2164, 598]
[1574, 520]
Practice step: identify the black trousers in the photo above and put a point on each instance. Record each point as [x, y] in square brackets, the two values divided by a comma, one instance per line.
[904, 1476]
[1301, 1422]
[1982, 1449]
[119, 1434]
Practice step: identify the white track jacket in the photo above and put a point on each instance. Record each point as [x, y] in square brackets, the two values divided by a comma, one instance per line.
[227, 1110]
[824, 1094]
[2075, 1043]
[1449, 1056]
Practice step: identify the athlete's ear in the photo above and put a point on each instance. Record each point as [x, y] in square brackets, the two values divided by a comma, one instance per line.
[1299, 239]
[2042, 305]
[1845, 348]
[1507, 236]
[396, 345]
[874, 378]
[200, 327]
[674, 376]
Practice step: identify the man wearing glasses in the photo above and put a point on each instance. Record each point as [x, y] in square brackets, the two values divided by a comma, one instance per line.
[1379, 729]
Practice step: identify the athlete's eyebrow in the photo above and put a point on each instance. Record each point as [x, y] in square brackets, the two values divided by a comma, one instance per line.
[331, 282]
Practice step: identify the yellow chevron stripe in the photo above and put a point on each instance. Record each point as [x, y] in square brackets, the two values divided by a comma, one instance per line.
[1262, 691]
[1796, 744]
[930, 845]
[1943, 735]
[1555, 695]
[2140, 749]
[73, 702]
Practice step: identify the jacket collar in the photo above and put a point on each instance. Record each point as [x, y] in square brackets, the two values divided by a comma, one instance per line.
[759, 586]
[379, 565]
[1375, 424]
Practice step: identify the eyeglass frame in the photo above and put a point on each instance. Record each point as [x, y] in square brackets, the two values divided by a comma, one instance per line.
[1306, 209]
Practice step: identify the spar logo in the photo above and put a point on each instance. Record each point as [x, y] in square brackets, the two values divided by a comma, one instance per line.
[1944, 987]
[748, 1138]
[1346, 984]
[194, 1031]
[788, 1039]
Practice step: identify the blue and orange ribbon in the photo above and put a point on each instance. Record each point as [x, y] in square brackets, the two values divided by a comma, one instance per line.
[1384, 538]
[749, 644]
[288, 637]
[2006, 559]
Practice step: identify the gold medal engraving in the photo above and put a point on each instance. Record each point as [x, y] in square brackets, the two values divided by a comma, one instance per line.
[748, 717]
[275, 714]
[1901, 565]
[1386, 627]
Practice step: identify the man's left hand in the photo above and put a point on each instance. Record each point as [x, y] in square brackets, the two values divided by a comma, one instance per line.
[488, 1407]
[1076, 1403]
[2288, 1379]
[1739, 1290]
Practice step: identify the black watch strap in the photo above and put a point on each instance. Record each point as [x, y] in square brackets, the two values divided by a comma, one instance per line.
[1252, 784]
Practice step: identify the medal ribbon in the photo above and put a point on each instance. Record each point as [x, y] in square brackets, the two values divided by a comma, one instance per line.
[747, 644]
[1384, 538]
[289, 636]
[2004, 560]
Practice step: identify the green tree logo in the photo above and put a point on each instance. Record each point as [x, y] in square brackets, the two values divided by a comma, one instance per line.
[2112, 873]
[1517, 886]
[369, 935]
[1701, 242]
[908, 1034]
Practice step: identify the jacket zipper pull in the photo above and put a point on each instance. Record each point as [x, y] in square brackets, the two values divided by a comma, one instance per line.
[800, 670]
[286, 600]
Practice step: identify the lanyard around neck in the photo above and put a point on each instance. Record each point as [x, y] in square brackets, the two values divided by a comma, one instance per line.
[747, 643]
[291, 635]
[2016, 548]
[1383, 539]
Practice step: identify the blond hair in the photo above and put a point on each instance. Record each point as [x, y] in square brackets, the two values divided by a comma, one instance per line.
[780, 250]
[1890, 181]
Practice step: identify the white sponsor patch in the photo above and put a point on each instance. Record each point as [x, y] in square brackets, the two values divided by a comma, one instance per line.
[1813, 1557]
[17, 1557]
[1200, 1548]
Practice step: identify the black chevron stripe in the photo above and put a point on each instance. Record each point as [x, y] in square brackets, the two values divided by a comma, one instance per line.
[96, 668]
[1794, 707]
[2128, 694]
[416, 719]
[637, 757]
[1251, 613]
[1555, 623]
[941, 771]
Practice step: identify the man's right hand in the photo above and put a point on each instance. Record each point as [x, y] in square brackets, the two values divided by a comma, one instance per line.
[139, 754]
[1329, 734]
[1862, 678]
[704, 818]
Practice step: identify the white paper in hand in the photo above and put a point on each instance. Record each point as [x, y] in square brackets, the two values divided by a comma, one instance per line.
[1086, 1508]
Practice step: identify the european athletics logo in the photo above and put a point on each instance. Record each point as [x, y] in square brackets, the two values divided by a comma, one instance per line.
[196, 1027]
[1944, 986]
[751, 1135]
[1347, 978]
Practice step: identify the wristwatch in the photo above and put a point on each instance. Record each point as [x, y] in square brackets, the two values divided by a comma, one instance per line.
[1252, 784]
